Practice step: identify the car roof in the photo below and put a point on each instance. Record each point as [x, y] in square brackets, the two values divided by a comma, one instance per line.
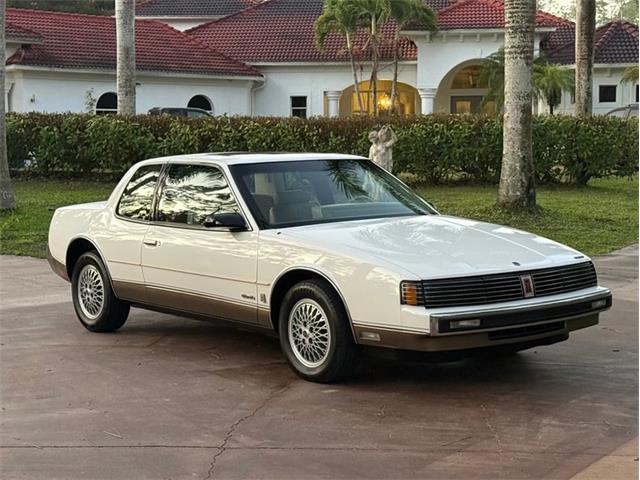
[234, 158]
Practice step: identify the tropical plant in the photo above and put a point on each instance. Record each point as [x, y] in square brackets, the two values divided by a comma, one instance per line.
[585, 38]
[341, 17]
[374, 14]
[126, 57]
[517, 187]
[404, 12]
[630, 75]
[7, 197]
[550, 80]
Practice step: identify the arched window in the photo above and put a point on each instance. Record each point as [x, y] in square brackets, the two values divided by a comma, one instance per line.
[200, 101]
[468, 77]
[107, 103]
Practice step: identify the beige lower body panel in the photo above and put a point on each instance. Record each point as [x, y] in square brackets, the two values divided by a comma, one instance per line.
[426, 343]
[191, 303]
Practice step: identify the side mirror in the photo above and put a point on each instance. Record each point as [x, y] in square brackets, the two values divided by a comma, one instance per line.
[232, 221]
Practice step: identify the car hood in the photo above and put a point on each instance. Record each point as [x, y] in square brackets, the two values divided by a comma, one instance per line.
[436, 246]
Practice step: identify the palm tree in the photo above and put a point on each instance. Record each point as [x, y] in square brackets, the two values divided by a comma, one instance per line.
[492, 76]
[126, 57]
[517, 188]
[550, 80]
[585, 37]
[7, 197]
[374, 14]
[630, 75]
[342, 17]
[403, 12]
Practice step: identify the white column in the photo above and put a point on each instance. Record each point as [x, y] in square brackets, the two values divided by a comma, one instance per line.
[427, 97]
[333, 98]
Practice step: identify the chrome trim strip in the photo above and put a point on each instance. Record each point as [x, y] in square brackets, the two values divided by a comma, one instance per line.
[602, 293]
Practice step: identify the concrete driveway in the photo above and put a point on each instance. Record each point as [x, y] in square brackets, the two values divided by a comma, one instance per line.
[167, 398]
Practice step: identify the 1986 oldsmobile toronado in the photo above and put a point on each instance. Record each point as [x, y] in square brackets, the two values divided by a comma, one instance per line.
[329, 251]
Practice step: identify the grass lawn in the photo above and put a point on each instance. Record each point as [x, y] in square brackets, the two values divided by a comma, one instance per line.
[594, 219]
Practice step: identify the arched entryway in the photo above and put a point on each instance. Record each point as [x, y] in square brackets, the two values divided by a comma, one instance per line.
[406, 103]
[202, 102]
[462, 91]
[107, 103]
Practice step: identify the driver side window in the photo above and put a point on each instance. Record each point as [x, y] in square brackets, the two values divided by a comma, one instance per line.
[190, 193]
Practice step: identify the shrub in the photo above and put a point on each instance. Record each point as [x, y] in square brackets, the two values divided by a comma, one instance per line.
[433, 148]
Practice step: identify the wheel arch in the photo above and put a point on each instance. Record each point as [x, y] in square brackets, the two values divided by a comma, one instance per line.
[78, 246]
[287, 279]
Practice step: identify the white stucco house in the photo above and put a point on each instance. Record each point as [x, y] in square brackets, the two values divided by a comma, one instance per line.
[258, 57]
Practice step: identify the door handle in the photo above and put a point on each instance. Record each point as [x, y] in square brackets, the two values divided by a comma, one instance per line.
[151, 243]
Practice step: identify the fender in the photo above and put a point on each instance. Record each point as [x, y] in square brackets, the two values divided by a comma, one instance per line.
[326, 277]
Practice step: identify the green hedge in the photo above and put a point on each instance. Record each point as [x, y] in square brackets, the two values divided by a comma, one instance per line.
[435, 148]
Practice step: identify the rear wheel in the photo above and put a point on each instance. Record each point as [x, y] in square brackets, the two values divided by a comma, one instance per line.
[96, 306]
[314, 333]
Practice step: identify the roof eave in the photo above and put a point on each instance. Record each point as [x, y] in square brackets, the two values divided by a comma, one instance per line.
[142, 73]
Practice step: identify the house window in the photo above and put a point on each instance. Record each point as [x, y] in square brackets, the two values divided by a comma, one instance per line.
[607, 93]
[202, 102]
[299, 107]
[107, 103]
[573, 97]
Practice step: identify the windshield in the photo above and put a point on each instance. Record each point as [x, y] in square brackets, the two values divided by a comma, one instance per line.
[286, 194]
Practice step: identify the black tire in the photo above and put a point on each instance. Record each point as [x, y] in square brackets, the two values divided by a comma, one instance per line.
[340, 359]
[113, 312]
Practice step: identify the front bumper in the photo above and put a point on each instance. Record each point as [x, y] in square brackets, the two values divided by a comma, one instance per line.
[495, 325]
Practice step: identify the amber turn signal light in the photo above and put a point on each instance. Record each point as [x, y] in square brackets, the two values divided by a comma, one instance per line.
[411, 293]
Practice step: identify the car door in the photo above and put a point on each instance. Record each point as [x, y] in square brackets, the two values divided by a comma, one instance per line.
[192, 268]
[120, 237]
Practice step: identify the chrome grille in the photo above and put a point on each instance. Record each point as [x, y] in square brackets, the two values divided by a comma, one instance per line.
[483, 289]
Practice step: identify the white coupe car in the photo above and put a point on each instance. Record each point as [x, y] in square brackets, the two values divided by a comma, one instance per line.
[329, 251]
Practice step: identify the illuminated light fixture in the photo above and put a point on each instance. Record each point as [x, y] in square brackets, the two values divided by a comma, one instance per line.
[464, 323]
[384, 102]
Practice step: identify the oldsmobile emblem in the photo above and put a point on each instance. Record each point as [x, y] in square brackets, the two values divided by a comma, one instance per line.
[527, 286]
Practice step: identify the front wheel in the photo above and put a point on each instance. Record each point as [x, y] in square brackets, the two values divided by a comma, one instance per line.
[315, 334]
[96, 306]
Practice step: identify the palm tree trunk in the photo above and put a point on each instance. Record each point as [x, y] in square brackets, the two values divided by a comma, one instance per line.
[585, 35]
[7, 197]
[374, 65]
[356, 82]
[517, 188]
[394, 83]
[126, 57]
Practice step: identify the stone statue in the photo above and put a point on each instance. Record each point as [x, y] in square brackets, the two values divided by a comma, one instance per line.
[381, 150]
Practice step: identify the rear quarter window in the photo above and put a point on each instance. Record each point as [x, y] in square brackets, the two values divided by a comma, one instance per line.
[137, 198]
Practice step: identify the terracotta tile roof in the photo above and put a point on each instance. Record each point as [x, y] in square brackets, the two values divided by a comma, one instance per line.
[615, 42]
[191, 8]
[76, 41]
[17, 32]
[479, 14]
[283, 31]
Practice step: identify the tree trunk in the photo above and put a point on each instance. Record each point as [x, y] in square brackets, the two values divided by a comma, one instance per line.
[126, 57]
[394, 83]
[373, 82]
[585, 35]
[550, 109]
[356, 82]
[7, 197]
[517, 188]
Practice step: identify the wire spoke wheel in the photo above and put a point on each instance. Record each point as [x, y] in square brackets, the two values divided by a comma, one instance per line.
[309, 333]
[91, 292]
